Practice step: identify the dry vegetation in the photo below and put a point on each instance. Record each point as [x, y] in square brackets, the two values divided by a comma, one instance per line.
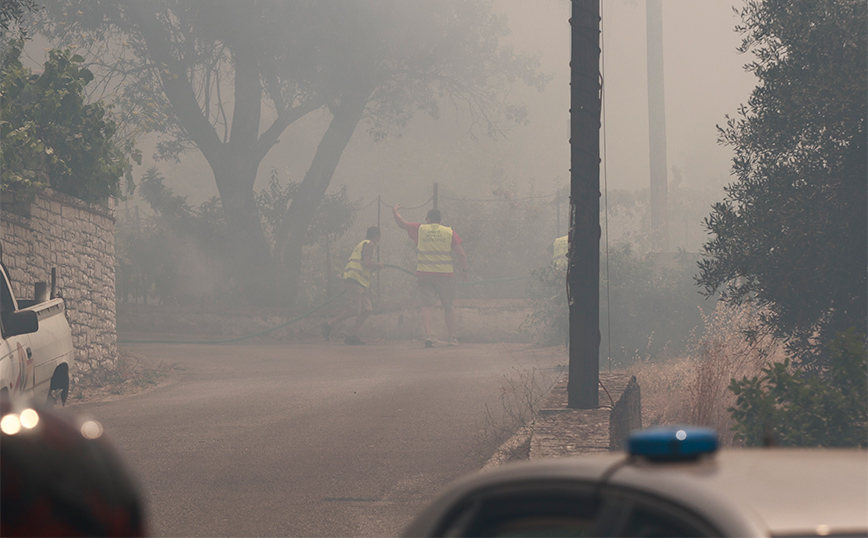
[133, 374]
[509, 425]
[693, 389]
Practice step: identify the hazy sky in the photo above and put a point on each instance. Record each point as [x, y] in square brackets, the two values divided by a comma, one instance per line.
[704, 80]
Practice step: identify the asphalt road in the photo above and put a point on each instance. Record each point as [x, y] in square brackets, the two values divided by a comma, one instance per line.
[315, 439]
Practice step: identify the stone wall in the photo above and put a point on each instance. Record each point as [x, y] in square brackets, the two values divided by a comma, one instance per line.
[559, 431]
[77, 238]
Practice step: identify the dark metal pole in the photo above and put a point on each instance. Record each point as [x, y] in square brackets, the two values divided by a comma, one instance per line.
[435, 196]
[583, 270]
[379, 206]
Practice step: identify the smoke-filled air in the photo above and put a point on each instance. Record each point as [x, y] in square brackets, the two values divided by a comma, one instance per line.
[301, 178]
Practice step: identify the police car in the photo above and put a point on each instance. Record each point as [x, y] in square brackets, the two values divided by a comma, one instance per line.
[672, 482]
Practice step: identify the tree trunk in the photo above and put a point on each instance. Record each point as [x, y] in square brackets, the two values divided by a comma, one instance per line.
[248, 255]
[347, 115]
[233, 161]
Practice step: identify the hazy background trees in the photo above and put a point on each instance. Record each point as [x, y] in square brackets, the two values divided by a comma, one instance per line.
[229, 77]
[788, 237]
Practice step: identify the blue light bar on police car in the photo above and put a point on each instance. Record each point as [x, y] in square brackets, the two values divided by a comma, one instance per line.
[672, 442]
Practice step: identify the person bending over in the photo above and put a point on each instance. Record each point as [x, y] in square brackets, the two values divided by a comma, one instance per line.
[357, 286]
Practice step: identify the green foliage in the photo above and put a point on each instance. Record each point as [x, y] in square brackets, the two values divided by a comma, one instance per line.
[333, 217]
[51, 136]
[273, 204]
[550, 315]
[198, 72]
[649, 304]
[791, 233]
[650, 308]
[12, 13]
[174, 255]
[795, 408]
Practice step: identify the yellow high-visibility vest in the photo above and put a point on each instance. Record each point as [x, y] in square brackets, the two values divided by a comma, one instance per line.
[434, 250]
[354, 268]
[560, 249]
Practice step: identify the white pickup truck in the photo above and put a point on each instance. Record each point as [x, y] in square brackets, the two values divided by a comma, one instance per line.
[36, 351]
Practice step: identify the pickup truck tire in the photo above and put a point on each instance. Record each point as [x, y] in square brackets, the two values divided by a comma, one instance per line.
[59, 382]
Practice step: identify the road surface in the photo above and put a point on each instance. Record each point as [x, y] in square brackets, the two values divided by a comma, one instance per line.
[316, 439]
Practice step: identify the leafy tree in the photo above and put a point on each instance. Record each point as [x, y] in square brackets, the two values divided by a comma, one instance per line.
[791, 231]
[178, 65]
[652, 305]
[51, 136]
[12, 13]
[332, 219]
[173, 255]
[792, 407]
[550, 315]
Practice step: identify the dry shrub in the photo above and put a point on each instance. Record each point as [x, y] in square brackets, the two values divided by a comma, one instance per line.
[132, 374]
[694, 389]
[522, 393]
[664, 387]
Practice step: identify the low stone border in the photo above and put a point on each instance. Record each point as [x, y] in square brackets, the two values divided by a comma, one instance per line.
[559, 431]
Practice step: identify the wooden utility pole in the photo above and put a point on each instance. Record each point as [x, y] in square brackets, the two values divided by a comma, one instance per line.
[657, 125]
[583, 270]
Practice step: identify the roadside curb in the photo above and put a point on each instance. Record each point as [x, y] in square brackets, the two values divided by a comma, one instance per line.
[558, 431]
[507, 452]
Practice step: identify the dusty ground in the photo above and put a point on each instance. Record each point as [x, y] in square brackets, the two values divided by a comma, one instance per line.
[488, 321]
[135, 373]
[495, 327]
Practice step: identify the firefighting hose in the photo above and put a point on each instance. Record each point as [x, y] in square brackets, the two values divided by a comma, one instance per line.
[297, 318]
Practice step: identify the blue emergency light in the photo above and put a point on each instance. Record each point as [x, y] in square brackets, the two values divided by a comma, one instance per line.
[672, 443]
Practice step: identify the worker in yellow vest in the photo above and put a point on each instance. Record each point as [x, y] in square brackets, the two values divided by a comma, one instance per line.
[357, 285]
[560, 249]
[435, 246]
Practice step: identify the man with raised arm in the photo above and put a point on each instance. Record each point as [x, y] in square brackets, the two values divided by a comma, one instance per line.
[435, 246]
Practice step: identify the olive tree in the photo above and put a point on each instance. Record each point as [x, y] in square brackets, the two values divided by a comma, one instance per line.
[229, 77]
[791, 232]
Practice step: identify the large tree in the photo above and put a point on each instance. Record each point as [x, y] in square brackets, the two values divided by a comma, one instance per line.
[791, 231]
[228, 77]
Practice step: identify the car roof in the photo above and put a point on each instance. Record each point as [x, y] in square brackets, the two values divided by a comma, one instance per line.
[742, 492]
[784, 491]
[576, 468]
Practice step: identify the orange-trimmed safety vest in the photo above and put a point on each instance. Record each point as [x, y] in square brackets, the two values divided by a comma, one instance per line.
[354, 268]
[560, 249]
[434, 249]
